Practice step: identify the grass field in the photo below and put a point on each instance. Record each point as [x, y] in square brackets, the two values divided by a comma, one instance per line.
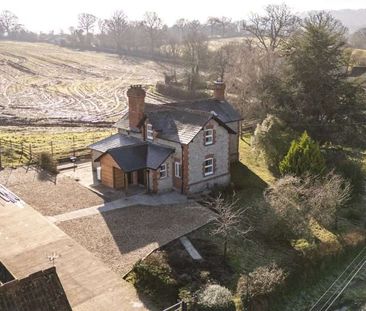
[45, 84]
[18, 146]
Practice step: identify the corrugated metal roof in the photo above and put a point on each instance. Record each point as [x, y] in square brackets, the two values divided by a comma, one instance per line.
[114, 141]
[140, 156]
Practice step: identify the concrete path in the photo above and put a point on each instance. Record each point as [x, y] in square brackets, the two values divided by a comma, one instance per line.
[192, 251]
[141, 199]
[27, 239]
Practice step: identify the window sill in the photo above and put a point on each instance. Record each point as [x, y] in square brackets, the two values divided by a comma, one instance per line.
[208, 144]
[208, 174]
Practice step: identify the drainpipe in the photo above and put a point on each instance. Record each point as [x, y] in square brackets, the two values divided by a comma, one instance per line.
[182, 166]
[148, 180]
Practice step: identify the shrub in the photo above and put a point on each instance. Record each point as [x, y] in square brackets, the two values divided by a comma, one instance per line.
[154, 278]
[262, 282]
[272, 139]
[47, 163]
[304, 156]
[353, 171]
[215, 298]
[178, 91]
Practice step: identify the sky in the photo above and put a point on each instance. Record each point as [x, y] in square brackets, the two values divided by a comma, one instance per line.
[47, 15]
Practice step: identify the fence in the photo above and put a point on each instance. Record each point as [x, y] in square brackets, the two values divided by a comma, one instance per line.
[15, 153]
[180, 306]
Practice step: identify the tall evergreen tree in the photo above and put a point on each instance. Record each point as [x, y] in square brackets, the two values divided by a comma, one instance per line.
[314, 91]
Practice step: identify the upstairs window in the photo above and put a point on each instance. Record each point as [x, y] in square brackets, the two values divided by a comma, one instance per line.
[209, 137]
[163, 171]
[208, 167]
[178, 170]
[149, 132]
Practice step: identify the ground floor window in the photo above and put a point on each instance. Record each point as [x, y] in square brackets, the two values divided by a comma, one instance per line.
[163, 171]
[208, 167]
[178, 169]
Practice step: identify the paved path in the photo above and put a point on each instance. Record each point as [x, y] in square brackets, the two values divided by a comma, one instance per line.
[141, 199]
[192, 251]
[27, 238]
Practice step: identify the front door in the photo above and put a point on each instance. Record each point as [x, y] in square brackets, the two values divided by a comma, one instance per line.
[141, 177]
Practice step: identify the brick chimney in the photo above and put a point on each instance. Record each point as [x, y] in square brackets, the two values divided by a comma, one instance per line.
[219, 89]
[136, 105]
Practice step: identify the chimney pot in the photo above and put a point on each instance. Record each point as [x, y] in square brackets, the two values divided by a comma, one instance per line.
[136, 105]
[219, 89]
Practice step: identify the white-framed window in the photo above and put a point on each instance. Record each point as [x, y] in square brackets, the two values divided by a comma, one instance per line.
[208, 166]
[163, 171]
[178, 169]
[209, 136]
[149, 132]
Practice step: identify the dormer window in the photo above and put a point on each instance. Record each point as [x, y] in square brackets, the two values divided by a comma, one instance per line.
[149, 132]
[209, 137]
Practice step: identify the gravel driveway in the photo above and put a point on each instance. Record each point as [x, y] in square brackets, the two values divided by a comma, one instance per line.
[121, 237]
[49, 195]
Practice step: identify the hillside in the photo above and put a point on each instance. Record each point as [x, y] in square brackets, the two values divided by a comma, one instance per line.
[43, 84]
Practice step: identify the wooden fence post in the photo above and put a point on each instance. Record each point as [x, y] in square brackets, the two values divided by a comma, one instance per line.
[1, 150]
[52, 148]
[73, 145]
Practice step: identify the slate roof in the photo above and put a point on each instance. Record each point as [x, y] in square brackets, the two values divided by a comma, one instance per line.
[41, 291]
[139, 156]
[179, 122]
[223, 109]
[114, 141]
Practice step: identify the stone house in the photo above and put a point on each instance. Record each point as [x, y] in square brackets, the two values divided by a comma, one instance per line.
[185, 146]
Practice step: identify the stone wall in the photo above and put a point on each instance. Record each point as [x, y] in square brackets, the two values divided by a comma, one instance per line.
[198, 152]
[234, 141]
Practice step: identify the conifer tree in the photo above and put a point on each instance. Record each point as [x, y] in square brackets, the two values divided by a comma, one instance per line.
[304, 156]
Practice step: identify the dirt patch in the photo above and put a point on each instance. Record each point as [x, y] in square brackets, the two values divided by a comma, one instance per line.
[121, 237]
[49, 195]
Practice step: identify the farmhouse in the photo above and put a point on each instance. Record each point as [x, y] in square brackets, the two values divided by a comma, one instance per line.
[185, 146]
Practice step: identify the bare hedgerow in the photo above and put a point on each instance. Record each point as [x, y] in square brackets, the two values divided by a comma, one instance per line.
[296, 201]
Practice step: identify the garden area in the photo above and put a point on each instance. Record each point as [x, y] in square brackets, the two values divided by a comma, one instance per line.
[294, 215]
[262, 268]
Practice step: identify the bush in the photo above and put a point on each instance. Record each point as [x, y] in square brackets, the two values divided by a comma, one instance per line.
[154, 278]
[350, 168]
[272, 139]
[178, 91]
[304, 156]
[215, 298]
[47, 163]
[262, 282]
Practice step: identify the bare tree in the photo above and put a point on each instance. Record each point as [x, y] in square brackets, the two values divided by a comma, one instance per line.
[87, 22]
[212, 22]
[117, 26]
[9, 22]
[224, 59]
[230, 220]
[224, 22]
[195, 49]
[153, 25]
[270, 29]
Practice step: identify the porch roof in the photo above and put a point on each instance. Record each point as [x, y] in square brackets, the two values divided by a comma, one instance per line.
[114, 141]
[143, 155]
